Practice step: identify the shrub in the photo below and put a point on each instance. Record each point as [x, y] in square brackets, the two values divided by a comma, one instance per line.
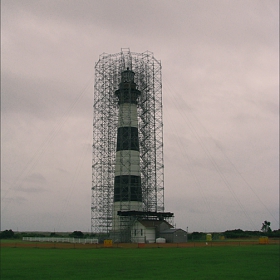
[6, 234]
[76, 234]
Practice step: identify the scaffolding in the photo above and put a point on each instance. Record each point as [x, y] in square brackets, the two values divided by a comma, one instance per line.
[105, 117]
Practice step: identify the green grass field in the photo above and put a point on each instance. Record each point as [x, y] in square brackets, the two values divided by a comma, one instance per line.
[245, 262]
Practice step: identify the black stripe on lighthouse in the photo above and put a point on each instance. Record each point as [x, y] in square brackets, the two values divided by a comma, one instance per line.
[127, 139]
[127, 188]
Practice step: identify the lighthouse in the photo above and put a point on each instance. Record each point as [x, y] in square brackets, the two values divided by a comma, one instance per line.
[127, 181]
[127, 151]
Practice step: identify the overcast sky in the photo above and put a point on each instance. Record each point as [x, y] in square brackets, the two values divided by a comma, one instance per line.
[220, 65]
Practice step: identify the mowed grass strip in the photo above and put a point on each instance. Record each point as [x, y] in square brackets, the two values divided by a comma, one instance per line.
[245, 262]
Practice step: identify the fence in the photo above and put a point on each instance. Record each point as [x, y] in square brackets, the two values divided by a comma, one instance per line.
[61, 240]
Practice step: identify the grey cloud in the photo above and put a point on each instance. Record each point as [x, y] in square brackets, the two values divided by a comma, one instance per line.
[32, 183]
[29, 189]
[15, 200]
[35, 178]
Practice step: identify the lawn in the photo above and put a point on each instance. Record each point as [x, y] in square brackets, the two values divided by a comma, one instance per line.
[245, 262]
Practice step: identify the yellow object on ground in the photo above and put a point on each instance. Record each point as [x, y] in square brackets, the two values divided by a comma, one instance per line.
[263, 240]
[208, 237]
[108, 243]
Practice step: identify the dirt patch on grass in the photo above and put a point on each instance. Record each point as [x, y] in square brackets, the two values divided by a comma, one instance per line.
[57, 245]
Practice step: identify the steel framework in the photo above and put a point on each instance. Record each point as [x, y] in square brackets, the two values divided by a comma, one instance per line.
[105, 117]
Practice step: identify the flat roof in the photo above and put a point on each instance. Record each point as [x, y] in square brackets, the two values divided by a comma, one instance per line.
[146, 214]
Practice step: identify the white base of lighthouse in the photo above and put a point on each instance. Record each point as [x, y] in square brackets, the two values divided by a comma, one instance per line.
[124, 206]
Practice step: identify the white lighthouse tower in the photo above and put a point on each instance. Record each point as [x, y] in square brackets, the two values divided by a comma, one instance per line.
[127, 182]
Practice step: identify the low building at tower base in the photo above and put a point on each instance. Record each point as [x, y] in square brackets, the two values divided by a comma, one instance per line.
[141, 226]
[175, 235]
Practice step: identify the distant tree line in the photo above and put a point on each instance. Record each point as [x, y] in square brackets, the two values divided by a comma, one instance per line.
[236, 233]
[9, 234]
[239, 233]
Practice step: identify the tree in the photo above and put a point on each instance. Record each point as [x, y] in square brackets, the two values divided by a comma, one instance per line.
[77, 234]
[6, 234]
[266, 226]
